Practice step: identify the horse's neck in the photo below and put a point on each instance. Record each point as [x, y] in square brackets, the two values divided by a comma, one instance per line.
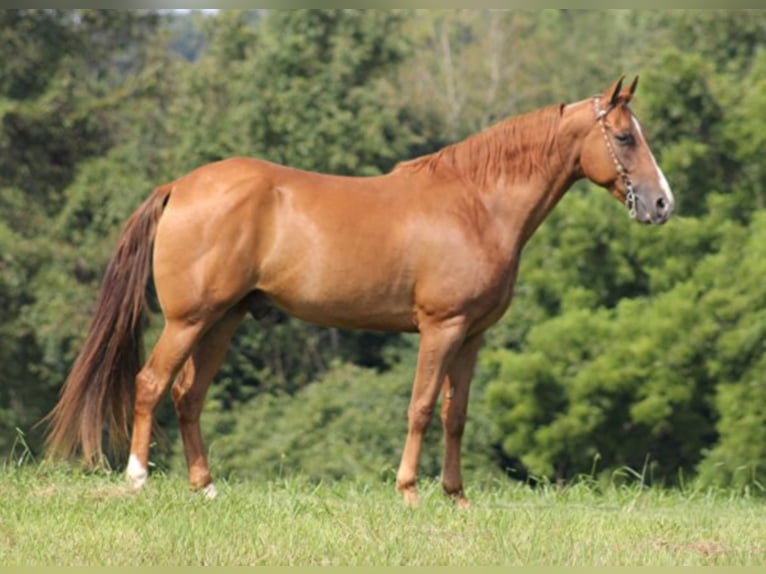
[526, 204]
[520, 208]
[519, 168]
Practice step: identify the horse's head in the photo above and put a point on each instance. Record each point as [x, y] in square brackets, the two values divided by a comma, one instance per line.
[615, 155]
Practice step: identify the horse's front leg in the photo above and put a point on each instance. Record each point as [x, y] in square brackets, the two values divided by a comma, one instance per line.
[454, 408]
[439, 341]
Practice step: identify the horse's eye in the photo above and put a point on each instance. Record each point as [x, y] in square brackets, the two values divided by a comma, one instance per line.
[625, 138]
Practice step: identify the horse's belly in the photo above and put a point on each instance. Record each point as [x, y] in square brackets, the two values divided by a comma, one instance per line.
[358, 297]
[347, 313]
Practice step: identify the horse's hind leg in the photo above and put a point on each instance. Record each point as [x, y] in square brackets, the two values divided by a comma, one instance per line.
[171, 350]
[189, 392]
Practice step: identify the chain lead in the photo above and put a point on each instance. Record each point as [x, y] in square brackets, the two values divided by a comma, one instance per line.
[630, 200]
[630, 195]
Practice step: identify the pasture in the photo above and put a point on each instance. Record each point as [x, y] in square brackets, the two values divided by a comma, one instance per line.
[61, 517]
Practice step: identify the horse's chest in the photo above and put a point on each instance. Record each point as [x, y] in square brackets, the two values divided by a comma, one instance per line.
[492, 294]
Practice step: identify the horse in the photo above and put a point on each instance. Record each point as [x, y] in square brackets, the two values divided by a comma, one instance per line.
[431, 247]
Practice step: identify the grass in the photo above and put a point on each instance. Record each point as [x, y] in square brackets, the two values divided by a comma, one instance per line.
[55, 516]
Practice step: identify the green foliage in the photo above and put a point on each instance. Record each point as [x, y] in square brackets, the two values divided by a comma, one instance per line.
[737, 304]
[608, 389]
[655, 379]
[745, 135]
[83, 63]
[32, 43]
[17, 351]
[323, 101]
[87, 64]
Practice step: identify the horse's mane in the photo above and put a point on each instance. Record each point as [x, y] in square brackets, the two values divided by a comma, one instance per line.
[514, 148]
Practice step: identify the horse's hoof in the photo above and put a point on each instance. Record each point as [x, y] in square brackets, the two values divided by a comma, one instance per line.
[210, 491]
[136, 473]
[462, 503]
[458, 498]
[410, 498]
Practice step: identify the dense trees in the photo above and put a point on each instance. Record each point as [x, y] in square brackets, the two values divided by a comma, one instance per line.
[625, 347]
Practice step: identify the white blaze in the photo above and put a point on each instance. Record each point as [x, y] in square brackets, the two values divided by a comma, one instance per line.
[663, 183]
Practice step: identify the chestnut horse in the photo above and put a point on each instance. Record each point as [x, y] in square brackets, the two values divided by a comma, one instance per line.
[433, 247]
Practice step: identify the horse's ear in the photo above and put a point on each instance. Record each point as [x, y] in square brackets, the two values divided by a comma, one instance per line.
[614, 92]
[631, 90]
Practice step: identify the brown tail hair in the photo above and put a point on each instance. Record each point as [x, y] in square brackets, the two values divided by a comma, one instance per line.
[99, 389]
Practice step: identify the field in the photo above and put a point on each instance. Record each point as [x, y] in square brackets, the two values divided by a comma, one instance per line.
[59, 517]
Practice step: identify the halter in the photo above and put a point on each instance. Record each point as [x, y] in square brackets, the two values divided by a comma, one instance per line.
[630, 195]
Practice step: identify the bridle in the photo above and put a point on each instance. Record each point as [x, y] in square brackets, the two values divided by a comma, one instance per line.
[630, 194]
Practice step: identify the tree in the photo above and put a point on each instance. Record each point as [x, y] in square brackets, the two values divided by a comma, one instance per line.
[56, 120]
[736, 302]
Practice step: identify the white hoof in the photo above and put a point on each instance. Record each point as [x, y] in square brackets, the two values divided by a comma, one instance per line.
[210, 491]
[136, 473]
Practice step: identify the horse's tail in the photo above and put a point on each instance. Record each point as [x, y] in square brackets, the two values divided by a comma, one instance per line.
[99, 390]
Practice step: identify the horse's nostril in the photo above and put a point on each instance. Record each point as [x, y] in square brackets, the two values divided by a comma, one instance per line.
[661, 204]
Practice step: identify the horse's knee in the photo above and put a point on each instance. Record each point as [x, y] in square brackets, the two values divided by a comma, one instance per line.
[454, 424]
[420, 415]
[188, 407]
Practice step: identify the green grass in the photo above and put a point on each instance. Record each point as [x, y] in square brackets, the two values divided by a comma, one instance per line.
[60, 517]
